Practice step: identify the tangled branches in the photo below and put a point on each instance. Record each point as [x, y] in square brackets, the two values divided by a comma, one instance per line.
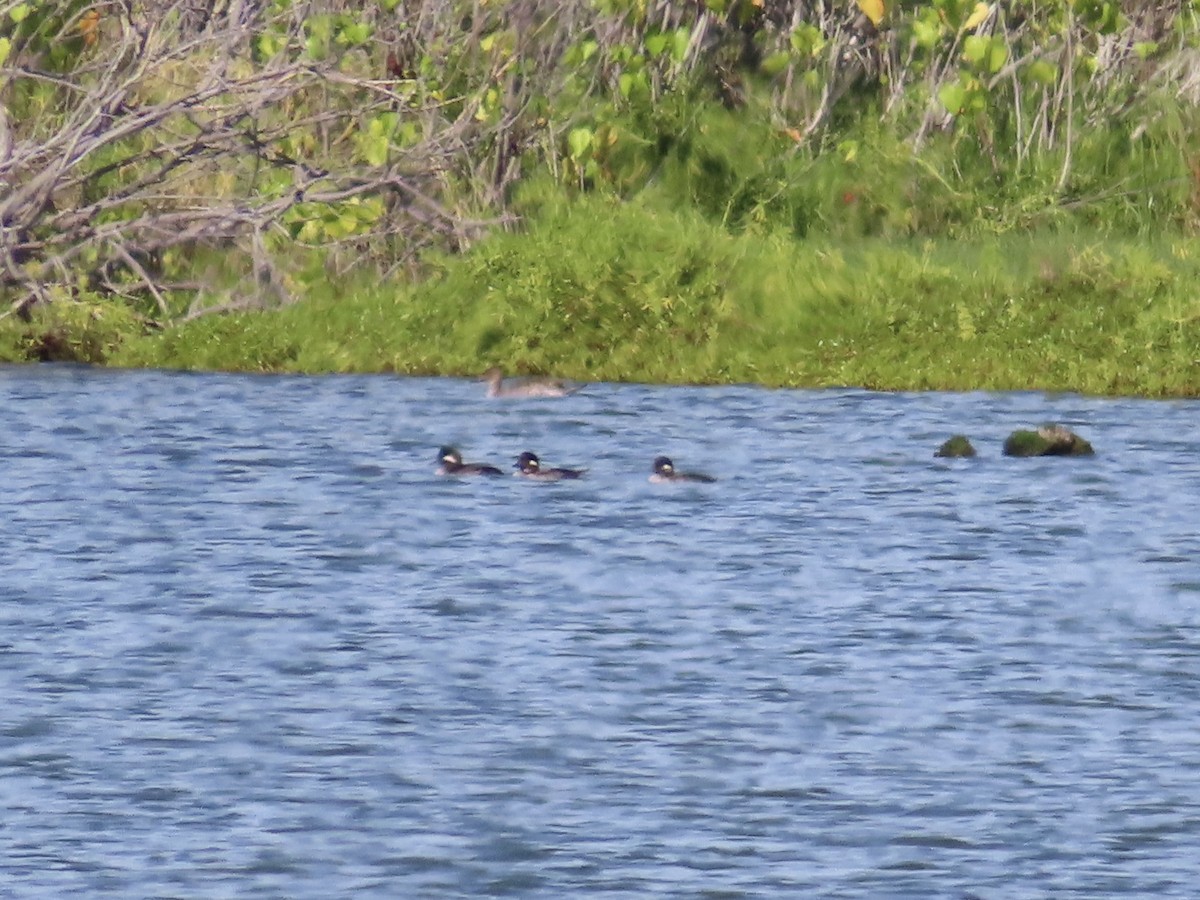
[139, 137]
[134, 138]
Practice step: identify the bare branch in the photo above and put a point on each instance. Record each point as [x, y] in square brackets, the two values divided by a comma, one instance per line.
[175, 129]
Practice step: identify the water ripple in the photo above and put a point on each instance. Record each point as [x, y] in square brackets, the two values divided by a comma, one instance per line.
[249, 644]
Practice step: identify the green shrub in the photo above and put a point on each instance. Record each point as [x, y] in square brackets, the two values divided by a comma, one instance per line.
[68, 331]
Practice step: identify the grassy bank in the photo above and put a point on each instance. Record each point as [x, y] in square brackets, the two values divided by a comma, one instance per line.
[606, 290]
[924, 195]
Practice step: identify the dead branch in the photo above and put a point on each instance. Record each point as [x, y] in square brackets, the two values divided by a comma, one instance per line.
[171, 132]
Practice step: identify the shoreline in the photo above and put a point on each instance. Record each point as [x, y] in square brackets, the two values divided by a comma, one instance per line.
[667, 299]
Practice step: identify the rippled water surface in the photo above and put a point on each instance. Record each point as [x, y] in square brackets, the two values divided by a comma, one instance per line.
[251, 645]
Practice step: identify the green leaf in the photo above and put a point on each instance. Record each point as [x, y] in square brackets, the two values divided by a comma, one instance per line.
[976, 98]
[656, 44]
[975, 47]
[270, 44]
[20, 12]
[1043, 72]
[320, 33]
[997, 55]
[311, 231]
[370, 210]
[1145, 49]
[355, 34]
[1111, 21]
[1102, 15]
[275, 183]
[374, 149]
[953, 96]
[5, 49]
[682, 39]
[638, 84]
[317, 47]
[374, 141]
[775, 63]
[320, 26]
[408, 134]
[807, 40]
[951, 11]
[987, 53]
[927, 32]
[580, 142]
[587, 49]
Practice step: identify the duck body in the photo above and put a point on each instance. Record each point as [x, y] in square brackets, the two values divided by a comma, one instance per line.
[451, 463]
[526, 387]
[529, 466]
[664, 473]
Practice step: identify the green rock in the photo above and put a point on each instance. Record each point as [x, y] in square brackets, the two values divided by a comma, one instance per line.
[1049, 440]
[957, 446]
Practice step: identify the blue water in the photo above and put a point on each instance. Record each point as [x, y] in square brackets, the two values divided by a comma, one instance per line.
[251, 646]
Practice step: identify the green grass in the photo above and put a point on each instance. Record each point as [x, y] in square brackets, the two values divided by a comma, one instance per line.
[599, 289]
[69, 331]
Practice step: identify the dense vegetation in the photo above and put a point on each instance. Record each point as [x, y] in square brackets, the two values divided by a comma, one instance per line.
[920, 194]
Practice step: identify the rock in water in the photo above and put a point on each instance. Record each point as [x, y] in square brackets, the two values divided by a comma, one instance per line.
[1049, 440]
[957, 446]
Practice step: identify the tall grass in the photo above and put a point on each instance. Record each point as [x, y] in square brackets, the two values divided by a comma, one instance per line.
[600, 289]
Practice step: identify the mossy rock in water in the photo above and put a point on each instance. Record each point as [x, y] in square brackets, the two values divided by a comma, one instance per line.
[957, 446]
[1049, 440]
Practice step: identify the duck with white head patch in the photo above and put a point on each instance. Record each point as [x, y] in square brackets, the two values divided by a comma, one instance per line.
[529, 466]
[664, 472]
[451, 463]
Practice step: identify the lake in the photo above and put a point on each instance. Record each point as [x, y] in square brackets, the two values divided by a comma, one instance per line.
[251, 645]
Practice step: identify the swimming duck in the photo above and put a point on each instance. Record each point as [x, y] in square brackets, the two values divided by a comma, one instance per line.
[664, 470]
[526, 387]
[452, 464]
[529, 466]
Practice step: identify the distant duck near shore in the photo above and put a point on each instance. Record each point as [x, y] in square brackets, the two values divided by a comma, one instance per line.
[526, 387]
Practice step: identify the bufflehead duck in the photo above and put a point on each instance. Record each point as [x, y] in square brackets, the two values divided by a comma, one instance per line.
[664, 470]
[452, 464]
[529, 466]
[526, 387]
